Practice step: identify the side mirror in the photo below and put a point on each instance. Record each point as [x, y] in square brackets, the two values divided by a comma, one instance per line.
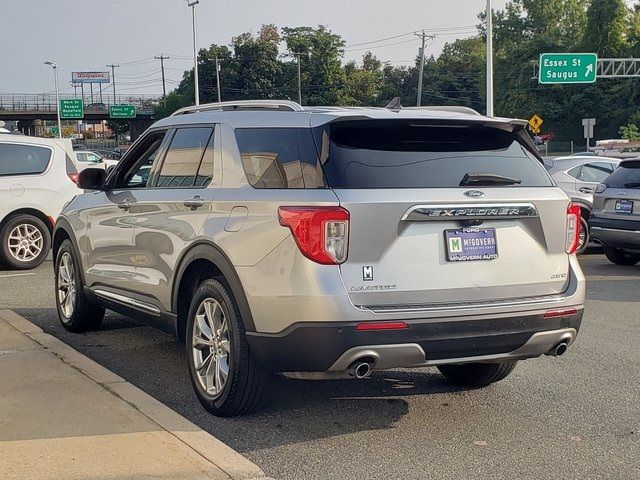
[91, 179]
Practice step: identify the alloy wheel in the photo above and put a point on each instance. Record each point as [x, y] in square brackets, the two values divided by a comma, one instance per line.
[25, 242]
[66, 285]
[211, 347]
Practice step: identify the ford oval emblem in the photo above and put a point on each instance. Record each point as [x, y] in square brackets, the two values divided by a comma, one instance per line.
[474, 193]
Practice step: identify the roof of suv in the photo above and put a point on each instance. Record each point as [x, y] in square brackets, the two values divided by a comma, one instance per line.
[284, 113]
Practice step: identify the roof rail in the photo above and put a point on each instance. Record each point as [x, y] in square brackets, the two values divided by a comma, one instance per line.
[286, 105]
[446, 108]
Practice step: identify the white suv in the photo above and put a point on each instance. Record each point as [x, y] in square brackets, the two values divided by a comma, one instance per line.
[37, 178]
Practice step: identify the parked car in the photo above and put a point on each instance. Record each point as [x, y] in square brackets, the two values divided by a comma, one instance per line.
[327, 241]
[615, 218]
[86, 158]
[579, 176]
[36, 180]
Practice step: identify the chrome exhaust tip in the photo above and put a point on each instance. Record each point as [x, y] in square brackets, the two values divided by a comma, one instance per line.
[559, 350]
[360, 369]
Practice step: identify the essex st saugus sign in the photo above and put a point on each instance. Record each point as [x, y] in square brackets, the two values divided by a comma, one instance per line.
[567, 68]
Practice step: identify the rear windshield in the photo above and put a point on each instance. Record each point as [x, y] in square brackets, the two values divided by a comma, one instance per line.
[16, 159]
[413, 154]
[627, 175]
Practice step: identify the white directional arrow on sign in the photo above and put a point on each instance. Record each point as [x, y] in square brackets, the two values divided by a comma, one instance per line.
[589, 70]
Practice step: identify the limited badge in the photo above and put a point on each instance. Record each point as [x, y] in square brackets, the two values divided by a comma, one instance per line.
[367, 274]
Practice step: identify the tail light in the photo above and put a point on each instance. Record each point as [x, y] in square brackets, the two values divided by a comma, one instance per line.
[322, 233]
[573, 227]
[73, 177]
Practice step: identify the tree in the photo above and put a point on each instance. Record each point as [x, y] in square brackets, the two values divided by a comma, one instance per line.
[606, 28]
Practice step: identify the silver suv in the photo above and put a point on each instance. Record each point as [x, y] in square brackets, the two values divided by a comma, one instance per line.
[330, 241]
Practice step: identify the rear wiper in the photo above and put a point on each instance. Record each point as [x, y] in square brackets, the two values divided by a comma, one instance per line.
[632, 185]
[480, 179]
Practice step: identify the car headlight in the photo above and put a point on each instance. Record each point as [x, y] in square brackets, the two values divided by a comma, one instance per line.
[601, 187]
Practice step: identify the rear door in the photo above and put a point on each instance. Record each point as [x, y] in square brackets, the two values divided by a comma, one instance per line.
[420, 234]
[591, 174]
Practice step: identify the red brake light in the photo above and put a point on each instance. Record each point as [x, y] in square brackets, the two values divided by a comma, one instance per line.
[369, 326]
[560, 313]
[322, 233]
[73, 177]
[573, 227]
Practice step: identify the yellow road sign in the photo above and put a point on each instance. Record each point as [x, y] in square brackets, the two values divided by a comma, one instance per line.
[535, 123]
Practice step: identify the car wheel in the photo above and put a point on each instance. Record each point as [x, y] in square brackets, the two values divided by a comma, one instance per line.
[26, 242]
[76, 310]
[224, 375]
[477, 375]
[620, 257]
[583, 240]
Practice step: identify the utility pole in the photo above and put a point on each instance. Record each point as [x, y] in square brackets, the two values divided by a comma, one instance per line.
[218, 79]
[297, 55]
[423, 36]
[489, 59]
[162, 58]
[113, 67]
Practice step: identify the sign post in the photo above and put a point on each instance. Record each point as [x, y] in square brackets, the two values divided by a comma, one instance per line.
[71, 109]
[588, 124]
[567, 68]
[122, 111]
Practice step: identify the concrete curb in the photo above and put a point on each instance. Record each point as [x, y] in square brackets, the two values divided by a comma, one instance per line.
[213, 450]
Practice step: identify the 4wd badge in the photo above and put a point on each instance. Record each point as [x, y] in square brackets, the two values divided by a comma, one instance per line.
[367, 274]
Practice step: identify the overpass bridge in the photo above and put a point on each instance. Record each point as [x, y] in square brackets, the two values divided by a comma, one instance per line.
[30, 110]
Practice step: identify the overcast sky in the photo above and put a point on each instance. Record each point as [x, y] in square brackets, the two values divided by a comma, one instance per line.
[85, 35]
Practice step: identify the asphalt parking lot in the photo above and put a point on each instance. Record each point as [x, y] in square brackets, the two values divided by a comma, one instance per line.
[572, 417]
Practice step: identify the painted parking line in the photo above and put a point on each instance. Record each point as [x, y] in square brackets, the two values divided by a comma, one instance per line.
[17, 274]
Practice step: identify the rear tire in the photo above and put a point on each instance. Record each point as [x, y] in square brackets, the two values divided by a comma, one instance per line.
[77, 311]
[620, 257]
[226, 378]
[26, 242]
[477, 375]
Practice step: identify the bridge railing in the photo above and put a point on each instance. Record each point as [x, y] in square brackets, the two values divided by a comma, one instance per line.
[46, 102]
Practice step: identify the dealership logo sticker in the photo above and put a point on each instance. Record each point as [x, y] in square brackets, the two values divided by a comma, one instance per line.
[367, 274]
[455, 245]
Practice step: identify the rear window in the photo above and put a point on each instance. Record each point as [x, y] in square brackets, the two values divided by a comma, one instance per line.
[23, 159]
[402, 154]
[627, 175]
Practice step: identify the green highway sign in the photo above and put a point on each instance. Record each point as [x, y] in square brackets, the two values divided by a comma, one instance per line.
[54, 131]
[568, 68]
[73, 108]
[122, 111]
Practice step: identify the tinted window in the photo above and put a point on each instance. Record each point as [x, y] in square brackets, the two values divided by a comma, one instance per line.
[205, 172]
[627, 175]
[181, 163]
[280, 157]
[137, 169]
[402, 154]
[595, 172]
[23, 159]
[575, 172]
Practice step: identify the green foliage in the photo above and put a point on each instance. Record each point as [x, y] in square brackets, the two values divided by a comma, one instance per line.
[263, 66]
[630, 132]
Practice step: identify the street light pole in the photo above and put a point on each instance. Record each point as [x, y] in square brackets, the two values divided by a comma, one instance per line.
[489, 59]
[218, 79]
[192, 4]
[54, 65]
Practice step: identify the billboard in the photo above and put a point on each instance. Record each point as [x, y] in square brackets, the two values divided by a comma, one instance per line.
[90, 77]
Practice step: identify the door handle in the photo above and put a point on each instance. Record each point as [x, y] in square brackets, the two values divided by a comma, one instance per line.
[194, 202]
[585, 190]
[125, 205]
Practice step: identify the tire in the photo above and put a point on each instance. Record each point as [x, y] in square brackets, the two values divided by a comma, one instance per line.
[620, 257]
[26, 242]
[584, 227]
[477, 375]
[241, 391]
[77, 311]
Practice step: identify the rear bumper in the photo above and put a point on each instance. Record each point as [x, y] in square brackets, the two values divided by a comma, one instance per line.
[319, 347]
[616, 233]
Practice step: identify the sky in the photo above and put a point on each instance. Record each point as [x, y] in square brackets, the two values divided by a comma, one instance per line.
[86, 35]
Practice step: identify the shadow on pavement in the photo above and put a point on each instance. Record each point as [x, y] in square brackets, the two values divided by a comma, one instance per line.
[294, 410]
